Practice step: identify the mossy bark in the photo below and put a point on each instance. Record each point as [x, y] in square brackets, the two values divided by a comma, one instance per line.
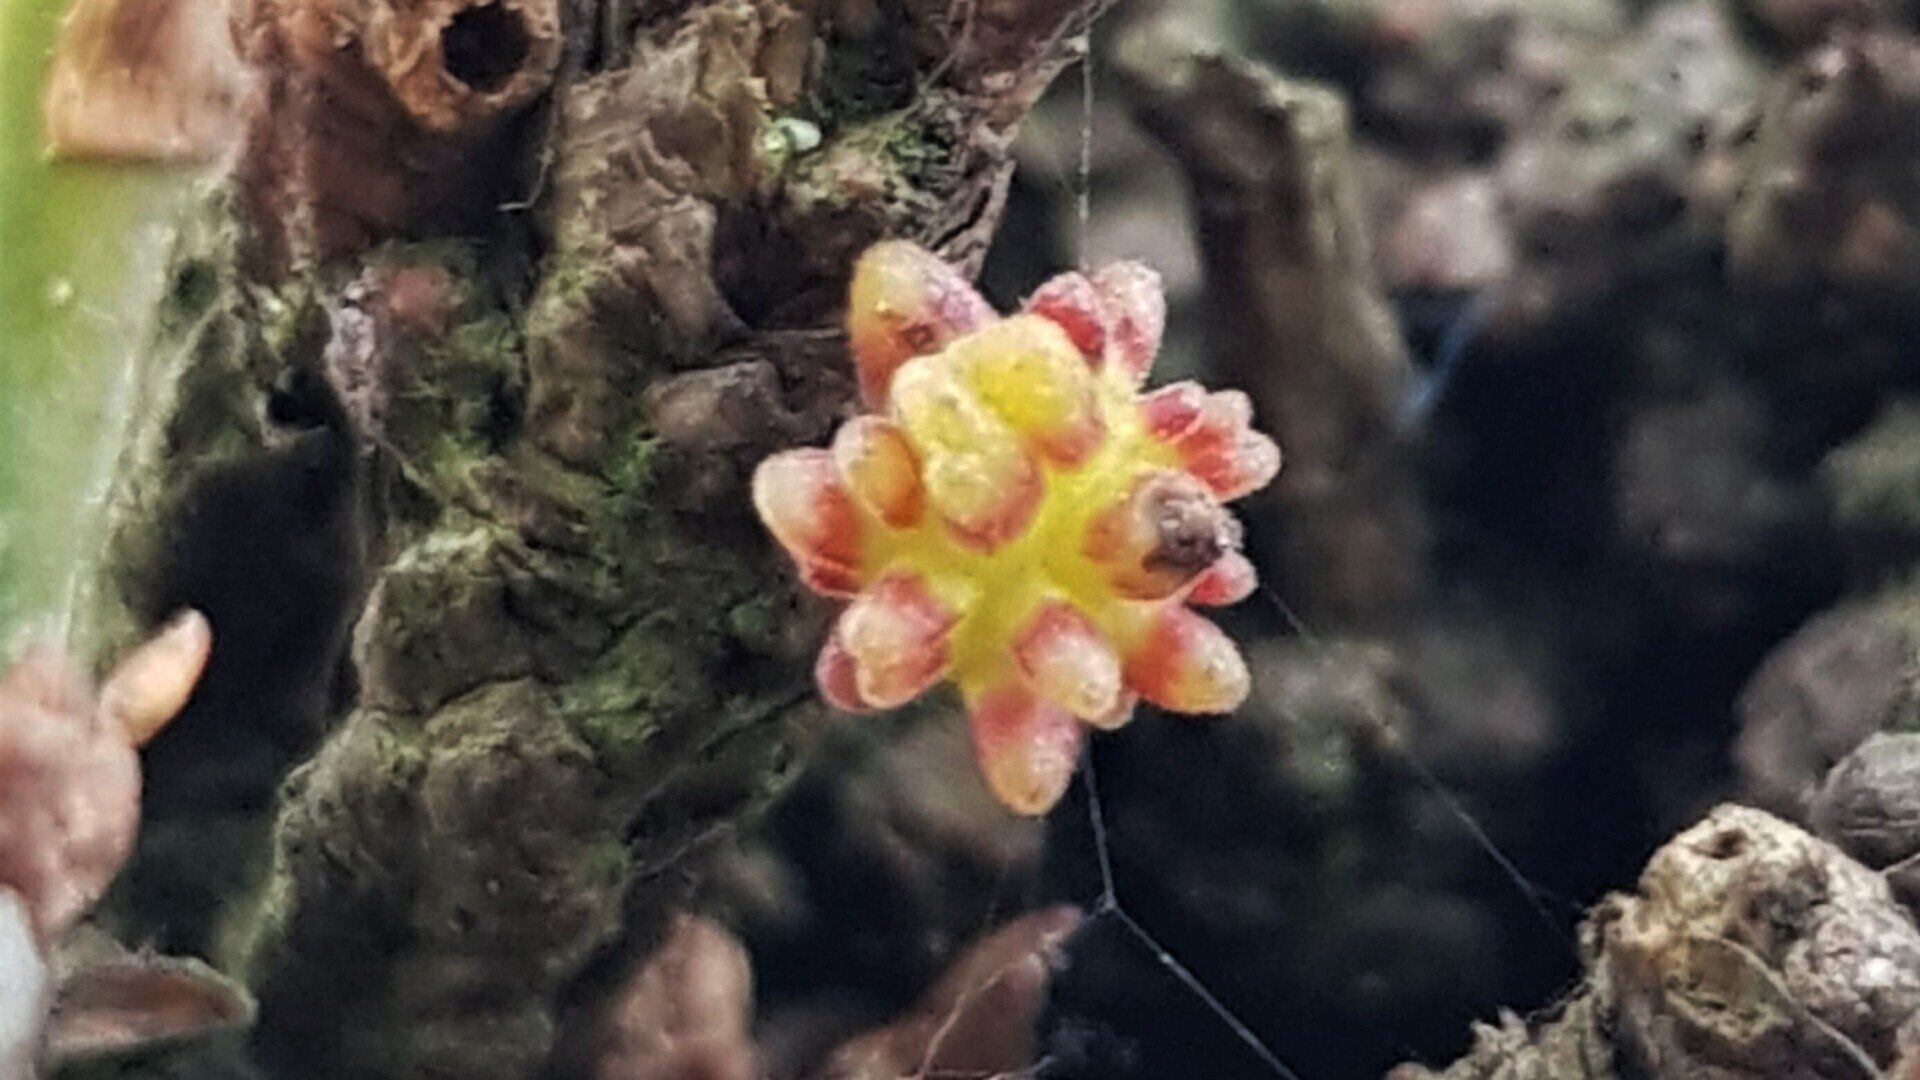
[467, 507]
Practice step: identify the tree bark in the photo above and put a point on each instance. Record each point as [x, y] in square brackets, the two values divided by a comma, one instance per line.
[447, 423]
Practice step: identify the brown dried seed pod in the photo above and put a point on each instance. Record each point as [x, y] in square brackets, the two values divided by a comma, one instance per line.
[373, 110]
[446, 66]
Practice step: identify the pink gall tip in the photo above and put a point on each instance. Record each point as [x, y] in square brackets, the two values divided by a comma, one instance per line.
[1243, 466]
[1071, 302]
[1229, 580]
[833, 673]
[802, 501]
[896, 635]
[1027, 748]
[1213, 434]
[1136, 316]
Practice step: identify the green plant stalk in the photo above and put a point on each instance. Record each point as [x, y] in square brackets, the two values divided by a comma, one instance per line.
[81, 246]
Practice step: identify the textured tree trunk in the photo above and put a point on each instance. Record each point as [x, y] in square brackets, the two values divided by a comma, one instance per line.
[446, 424]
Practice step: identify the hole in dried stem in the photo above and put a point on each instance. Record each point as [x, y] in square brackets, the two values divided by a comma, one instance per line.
[484, 46]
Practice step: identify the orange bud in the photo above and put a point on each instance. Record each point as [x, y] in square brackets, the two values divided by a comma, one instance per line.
[1027, 749]
[1187, 664]
[905, 302]
[1067, 661]
[880, 470]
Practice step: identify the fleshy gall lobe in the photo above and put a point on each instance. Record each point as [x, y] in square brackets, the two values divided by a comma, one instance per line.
[1015, 516]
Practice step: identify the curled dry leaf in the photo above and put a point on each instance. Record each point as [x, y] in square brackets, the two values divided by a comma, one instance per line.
[978, 1019]
[145, 80]
[112, 1001]
[684, 1014]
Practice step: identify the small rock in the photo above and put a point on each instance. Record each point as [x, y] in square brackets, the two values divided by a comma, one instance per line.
[1820, 694]
[1870, 803]
[1754, 949]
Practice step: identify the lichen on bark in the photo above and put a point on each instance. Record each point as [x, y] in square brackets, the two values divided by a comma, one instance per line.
[462, 482]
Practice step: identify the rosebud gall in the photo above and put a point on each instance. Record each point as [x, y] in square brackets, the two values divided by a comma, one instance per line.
[1013, 515]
